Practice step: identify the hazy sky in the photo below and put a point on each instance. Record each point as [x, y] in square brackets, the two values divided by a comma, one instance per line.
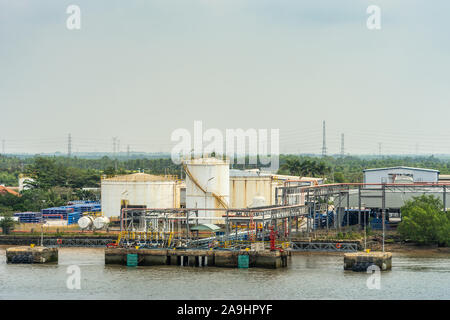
[139, 69]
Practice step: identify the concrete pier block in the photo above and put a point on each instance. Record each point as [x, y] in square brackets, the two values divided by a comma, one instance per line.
[31, 255]
[197, 258]
[359, 261]
[269, 259]
[115, 256]
[149, 257]
[227, 259]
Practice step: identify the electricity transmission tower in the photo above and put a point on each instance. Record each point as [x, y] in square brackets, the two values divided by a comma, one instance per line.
[114, 146]
[69, 146]
[324, 143]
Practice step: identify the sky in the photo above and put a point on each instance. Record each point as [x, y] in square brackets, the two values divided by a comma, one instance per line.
[140, 69]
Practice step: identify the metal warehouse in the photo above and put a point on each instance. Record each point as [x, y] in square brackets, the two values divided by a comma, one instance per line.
[401, 175]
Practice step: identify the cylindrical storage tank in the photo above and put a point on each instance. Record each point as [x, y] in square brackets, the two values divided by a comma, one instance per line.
[138, 189]
[101, 222]
[207, 186]
[258, 201]
[85, 222]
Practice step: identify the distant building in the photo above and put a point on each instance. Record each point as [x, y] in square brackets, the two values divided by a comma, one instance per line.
[401, 175]
[5, 190]
[23, 182]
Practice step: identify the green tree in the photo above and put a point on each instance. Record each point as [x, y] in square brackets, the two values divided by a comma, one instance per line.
[424, 221]
[7, 223]
[339, 177]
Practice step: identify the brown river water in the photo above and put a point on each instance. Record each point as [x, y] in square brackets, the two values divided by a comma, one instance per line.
[308, 276]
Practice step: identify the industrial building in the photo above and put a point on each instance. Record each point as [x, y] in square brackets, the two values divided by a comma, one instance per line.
[139, 190]
[209, 184]
[400, 175]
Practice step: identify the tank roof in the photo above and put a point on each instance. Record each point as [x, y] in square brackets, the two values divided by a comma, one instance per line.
[202, 161]
[139, 177]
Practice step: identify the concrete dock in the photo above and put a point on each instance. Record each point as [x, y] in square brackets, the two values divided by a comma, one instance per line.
[360, 261]
[31, 255]
[198, 258]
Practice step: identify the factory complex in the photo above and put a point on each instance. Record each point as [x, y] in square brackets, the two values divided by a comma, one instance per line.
[212, 197]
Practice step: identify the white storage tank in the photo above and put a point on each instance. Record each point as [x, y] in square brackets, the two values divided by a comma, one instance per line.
[207, 186]
[101, 223]
[138, 190]
[85, 222]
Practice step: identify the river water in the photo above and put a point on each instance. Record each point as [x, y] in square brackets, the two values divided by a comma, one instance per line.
[307, 277]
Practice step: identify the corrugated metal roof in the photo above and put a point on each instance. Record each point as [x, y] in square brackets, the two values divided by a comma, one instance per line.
[138, 177]
[401, 167]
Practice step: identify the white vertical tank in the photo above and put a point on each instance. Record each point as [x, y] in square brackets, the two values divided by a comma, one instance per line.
[207, 186]
[138, 189]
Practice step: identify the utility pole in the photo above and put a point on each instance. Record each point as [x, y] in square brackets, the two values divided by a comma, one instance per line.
[114, 152]
[69, 146]
[3, 146]
[342, 145]
[324, 143]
